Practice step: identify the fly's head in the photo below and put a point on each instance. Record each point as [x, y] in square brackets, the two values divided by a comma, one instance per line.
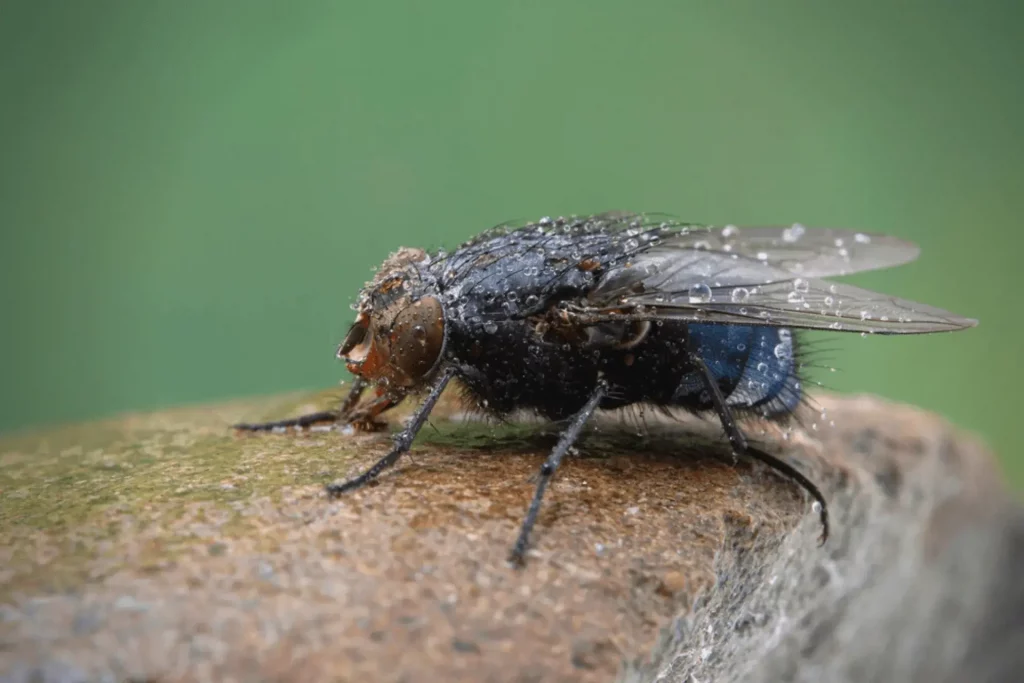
[397, 338]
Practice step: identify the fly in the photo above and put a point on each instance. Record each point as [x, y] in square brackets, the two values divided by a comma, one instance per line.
[570, 315]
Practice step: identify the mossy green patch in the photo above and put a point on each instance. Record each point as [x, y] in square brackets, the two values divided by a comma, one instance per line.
[70, 497]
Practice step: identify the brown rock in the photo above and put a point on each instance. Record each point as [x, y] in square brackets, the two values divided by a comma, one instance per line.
[164, 547]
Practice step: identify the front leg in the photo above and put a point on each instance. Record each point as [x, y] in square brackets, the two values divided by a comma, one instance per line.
[346, 413]
[402, 440]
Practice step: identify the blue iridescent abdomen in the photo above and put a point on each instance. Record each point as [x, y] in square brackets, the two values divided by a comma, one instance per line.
[754, 365]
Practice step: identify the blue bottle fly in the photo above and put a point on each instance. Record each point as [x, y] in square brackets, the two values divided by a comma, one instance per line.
[570, 315]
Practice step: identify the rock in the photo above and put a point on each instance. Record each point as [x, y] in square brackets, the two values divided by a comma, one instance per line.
[165, 547]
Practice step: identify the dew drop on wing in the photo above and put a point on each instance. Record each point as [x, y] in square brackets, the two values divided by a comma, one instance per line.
[739, 295]
[793, 233]
[699, 293]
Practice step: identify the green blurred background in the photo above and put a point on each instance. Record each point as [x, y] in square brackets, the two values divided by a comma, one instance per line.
[192, 192]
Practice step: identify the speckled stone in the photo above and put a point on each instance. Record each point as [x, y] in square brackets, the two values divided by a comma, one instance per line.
[162, 547]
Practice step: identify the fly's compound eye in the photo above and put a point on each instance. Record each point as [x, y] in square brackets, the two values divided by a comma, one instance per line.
[399, 344]
[415, 340]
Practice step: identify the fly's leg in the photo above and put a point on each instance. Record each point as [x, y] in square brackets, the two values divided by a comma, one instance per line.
[549, 467]
[307, 420]
[402, 440]
[324, 416]
[364, 418]
[358, 387]
[739, 444]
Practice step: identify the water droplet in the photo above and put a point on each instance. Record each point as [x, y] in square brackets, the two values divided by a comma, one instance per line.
[741, 347]
[794, 297]
[783, 351]
[702, 245]
[801, 285]
[839, 242]
[762, 367]
[699, 294]
[836, 326]
[631, 244]
[861, 238]
[729, 231]
[531, 300]
[490, 327]
[829, 301]
[740, 294]
[762, 256]
[512, 295]
[793, 233]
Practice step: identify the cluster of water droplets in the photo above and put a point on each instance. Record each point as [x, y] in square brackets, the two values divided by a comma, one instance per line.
[793, 233]
[784, 349]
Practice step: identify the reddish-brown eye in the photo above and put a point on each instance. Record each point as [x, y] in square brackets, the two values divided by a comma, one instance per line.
[416, 338]
[399, 344]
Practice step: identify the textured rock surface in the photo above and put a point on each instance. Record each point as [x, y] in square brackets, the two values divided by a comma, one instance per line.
[163, 547]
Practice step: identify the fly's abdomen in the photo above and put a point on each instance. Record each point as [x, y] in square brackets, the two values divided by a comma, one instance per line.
[755, 367]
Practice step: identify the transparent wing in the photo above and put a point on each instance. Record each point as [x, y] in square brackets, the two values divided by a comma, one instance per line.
[800, 303]
[669, 268]
[793, 249]
[806, 252]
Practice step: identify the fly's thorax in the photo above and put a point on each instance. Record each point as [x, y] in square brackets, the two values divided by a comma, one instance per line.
[399, 333]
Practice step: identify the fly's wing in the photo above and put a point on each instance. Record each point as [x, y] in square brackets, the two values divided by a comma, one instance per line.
[769, 277]
[808, 253]
[794, 249]
[800, 303]
[759, 276]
